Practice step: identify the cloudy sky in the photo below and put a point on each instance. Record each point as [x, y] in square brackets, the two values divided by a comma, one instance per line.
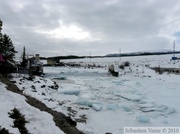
[99, 27]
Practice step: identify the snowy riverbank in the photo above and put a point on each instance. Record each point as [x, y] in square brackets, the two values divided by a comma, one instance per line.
[30, 114]
[38, 121]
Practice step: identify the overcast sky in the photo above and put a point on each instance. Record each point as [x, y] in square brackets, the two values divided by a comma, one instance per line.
[99, 27]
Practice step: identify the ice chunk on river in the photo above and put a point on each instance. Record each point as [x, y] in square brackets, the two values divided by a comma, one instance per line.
[143, 119]
[129, 96]
[112, 106]
[71, 92]
[126, 108]
[86, 102]
[97, 107]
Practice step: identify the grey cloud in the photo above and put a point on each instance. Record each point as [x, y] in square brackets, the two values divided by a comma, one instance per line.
[133, 25]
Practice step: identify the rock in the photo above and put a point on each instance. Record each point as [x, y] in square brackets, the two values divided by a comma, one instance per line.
[43, 86]
[43, 94]
[112, 71]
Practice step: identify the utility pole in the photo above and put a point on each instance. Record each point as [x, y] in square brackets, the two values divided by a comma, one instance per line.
[90, 57]
[174, 45]
[119, 56]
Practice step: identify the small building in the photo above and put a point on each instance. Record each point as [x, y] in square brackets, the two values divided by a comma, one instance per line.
[35, 66]
[51, 62]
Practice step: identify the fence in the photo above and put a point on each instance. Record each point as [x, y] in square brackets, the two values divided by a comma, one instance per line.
[22, 71]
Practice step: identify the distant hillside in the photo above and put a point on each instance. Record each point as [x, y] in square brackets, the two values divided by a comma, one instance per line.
[141, 54]
[57, 58]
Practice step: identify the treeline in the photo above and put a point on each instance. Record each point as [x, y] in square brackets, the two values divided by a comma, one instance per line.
[57, 58]
[141, 54]
[70, 57]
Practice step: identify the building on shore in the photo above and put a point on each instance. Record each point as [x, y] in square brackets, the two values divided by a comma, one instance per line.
[35, 65]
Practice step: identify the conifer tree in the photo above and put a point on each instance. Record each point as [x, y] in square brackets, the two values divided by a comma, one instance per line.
[0, 34]
[24, 60]
[6, 46]
[1, 25]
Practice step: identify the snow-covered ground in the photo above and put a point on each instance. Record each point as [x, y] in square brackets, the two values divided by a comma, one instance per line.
[38, 122]
[101, 103]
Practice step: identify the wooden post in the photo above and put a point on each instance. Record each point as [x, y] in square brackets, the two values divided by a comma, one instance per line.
[30, 70]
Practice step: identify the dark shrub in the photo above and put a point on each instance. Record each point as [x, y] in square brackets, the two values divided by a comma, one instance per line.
[126, 63]
[121, 67]
[19, 121]
[3, 131]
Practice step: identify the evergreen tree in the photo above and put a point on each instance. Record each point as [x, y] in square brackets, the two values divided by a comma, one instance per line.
[6, 46]
[8, 52]
[24, 60]
[1, 25]
[0, 34]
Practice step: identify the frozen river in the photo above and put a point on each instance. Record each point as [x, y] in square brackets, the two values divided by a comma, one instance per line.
[139, 97]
